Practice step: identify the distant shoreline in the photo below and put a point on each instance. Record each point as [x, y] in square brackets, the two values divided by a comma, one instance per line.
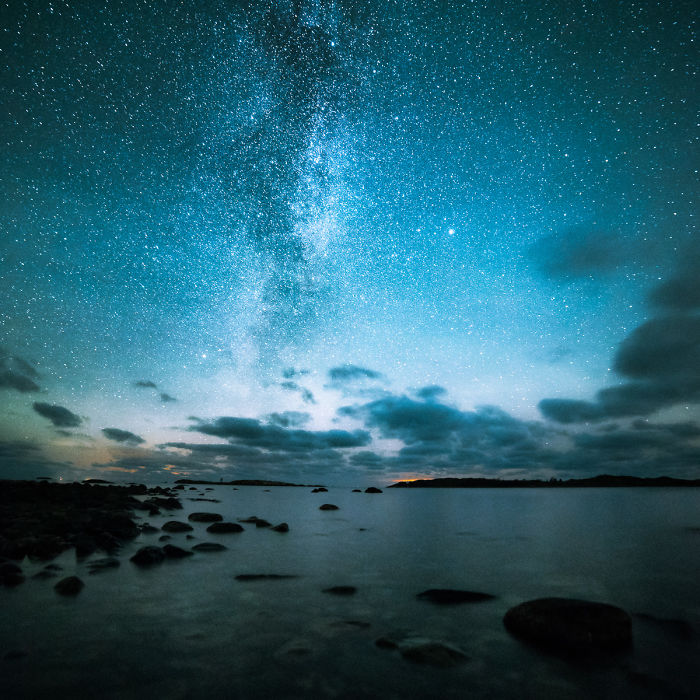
[602, 480]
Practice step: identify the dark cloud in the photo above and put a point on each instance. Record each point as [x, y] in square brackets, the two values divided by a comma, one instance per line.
[123, 436]
[288, 419]
[145, 384]
[351, 373]
[577, 253]
[16, 373]
[431, 392]
[570, 410]
[166, 398]
[252, 432]
[26, 460]
[61, 417]
[681, 291]
[291, 372]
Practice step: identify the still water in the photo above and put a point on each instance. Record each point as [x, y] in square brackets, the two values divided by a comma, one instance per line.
[189, 629]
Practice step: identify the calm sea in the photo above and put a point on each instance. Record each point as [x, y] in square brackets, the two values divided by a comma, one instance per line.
[189, 629]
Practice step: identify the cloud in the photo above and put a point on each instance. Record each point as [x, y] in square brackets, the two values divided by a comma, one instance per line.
[61, 417]
[570, 410]
[288, 419]
[431, 392]
[145, 384]
[123, 436]
[254, 433]
[166, 398]
[681, 292]
[26, 460]
[16, 373]
[291, 372]
[351, 373]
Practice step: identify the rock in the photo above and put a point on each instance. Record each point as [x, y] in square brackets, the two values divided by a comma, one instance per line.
[148, 556]
[173, 552]
[282, 527]
[108, 542]
[253, 520]
[10, 574]
[176, 526]
[71, 585]
[570, 626]
[320, 489]
[373, 489]
[205, 517]
[451, 596]
[84, 545]
[357, 490]
[224, 528]
[341, 590]
[169, 503]
[264, 577]
[209, 547]
[432, 653]
[99, 565]
[148, 529]
[179, 487]
[328, 506]
[165, 538]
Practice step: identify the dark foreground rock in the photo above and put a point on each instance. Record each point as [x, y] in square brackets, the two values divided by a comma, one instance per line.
[282, 527]
[69, 586]
[452, 596]
[209, 547]
[224, 528]
[341, 590]
[205, 517]
[10, 574]
[328, 506]
[148, 556]
[571, 626]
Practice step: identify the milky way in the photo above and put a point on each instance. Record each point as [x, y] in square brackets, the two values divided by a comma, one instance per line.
[348, 241]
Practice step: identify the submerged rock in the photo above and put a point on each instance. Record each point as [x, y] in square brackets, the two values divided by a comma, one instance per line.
[71, 585]
[452, 596]
[205, 517]
[571, 626]
[341, 590]
[176, 526]
[209, 547]
[148, 556]
[254, 520]
[328, 506]
[224, 528]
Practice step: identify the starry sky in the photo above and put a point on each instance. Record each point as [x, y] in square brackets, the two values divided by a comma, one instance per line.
[348, 242]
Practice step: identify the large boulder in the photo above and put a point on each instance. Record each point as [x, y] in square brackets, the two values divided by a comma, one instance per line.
[571, 626]
[148, 556]
[71, 585]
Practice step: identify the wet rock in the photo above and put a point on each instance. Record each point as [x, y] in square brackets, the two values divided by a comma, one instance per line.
[164, 538]
[10, 574]
[341, 590]
[570, 626]
[99, 565]
[69, 586]
[224, 528]
[357, 490]
[176, 526]
[209, 547]
[282, 527]
[328, 506]
[264, 577]
[179, 487]
[169, 503]
[451, 596]
[432, 653]
[205, 517]
[173, 552]
[148, 556]
[253, 520]
[319, 489]
[108, 542]
[373, 489]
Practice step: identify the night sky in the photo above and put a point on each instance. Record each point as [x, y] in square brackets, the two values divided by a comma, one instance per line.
[348, 242]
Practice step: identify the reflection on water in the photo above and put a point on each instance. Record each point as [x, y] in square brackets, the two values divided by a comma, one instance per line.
[189, 629]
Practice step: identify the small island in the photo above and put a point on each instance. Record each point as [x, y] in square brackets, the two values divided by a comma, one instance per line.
[602, 480]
